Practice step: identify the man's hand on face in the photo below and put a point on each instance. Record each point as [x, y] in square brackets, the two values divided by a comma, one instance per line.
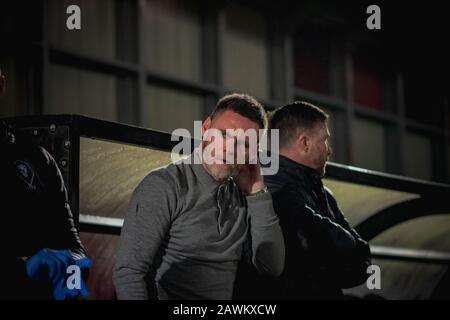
[249, 178]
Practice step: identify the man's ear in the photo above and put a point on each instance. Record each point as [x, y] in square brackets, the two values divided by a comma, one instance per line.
[303, 142]
[206, 125]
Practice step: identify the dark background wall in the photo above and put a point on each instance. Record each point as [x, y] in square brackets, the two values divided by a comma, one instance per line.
[163, 64]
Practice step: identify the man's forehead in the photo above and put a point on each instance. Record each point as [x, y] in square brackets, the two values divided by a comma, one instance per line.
[229, 119]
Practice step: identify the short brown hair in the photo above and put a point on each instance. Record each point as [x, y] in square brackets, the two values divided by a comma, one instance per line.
[243, 104]
[294, 117]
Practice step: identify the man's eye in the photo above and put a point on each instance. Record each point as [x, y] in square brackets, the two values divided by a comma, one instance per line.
[229, 136]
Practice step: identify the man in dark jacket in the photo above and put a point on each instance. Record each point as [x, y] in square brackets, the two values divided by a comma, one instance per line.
[324, 254]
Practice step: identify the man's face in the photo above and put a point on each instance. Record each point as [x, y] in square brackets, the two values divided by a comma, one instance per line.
[319, 149]
[228, 145]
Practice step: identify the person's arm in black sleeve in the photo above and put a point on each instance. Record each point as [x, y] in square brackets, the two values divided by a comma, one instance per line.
[147, 223]
[354, 269]
[316, 232]
[335, 248]
[64, 234]
[58, 237]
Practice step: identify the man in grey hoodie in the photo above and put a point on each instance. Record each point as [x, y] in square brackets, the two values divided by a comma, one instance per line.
[191, 222]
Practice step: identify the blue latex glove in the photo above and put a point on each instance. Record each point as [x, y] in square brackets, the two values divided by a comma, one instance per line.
[48, 265]
[61, 292]
[51, 265]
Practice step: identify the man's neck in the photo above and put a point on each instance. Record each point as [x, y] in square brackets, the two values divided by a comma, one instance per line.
[295, 158]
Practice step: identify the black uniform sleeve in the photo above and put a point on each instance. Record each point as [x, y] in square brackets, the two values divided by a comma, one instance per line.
[337, 248]
[354, 270]
[316, 232]
[64, 234]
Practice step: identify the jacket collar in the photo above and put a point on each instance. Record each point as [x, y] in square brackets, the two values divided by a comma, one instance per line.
[300, 169]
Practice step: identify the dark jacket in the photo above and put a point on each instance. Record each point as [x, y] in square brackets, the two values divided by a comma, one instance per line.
[34, 215]
[324, 254]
